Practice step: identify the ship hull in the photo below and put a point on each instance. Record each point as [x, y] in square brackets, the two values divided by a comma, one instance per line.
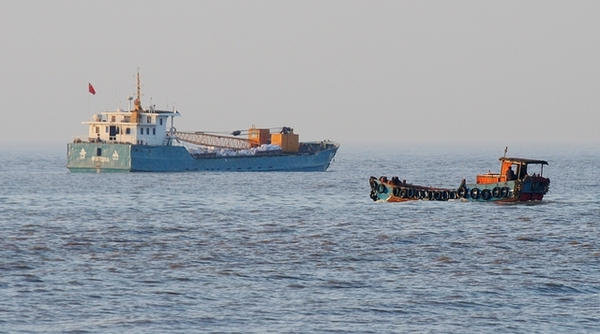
[107, 157]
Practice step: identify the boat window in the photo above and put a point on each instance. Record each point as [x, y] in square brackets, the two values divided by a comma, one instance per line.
[98, 151]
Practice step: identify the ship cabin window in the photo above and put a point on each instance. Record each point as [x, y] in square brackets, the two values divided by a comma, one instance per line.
[148, 119]
[127, 131]
[141, 131]
[113, 118]
[160, 119]
[154, 131]
[147, 131]
[98, 151]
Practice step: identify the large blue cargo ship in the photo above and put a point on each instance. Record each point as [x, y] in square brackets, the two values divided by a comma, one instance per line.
[139, 140]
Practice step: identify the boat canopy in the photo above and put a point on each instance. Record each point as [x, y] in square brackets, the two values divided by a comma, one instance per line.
[522, 161]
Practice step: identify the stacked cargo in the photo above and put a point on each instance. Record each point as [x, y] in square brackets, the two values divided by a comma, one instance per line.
[287, 141]
[258, 137]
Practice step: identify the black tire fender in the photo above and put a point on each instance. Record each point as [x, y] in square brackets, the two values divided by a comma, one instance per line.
[504, 191]
[444, 195]
[429, 194]
[486, 194]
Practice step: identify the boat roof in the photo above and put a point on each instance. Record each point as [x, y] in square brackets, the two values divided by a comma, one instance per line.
[144, 112]
[524, 161]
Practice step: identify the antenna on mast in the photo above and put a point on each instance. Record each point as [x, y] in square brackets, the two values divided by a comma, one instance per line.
[138, 100]
[138, 85]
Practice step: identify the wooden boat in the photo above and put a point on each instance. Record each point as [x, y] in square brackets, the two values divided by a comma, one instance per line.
[505, 186]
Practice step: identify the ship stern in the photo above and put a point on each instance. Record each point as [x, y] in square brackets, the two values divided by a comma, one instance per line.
[98, 157]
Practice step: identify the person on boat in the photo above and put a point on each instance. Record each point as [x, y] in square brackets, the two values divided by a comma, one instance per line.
[523, 172]
[510, 175]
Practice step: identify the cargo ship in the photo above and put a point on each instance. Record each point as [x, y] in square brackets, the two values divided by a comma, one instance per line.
[145, 140]
[506, 186]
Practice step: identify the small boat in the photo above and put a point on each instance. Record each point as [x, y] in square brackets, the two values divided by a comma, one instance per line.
[505, 186]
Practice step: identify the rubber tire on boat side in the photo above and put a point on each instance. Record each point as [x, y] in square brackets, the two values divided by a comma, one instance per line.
[486, 194]
[381, 188]
[474, 193]
[496, 192]
[444, 196]
[372, 182]
[373, 195]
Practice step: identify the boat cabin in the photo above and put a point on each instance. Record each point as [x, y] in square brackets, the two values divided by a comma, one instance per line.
[511, 169]
[143, 128]
[137, 126]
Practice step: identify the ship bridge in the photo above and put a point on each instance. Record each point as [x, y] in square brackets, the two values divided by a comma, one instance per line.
[136, 126]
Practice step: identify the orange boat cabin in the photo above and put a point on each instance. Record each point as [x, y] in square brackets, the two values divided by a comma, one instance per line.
[511, 169]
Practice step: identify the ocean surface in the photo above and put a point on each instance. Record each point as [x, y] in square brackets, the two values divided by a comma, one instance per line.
[297, 252]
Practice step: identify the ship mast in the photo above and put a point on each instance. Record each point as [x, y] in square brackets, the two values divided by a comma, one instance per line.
[138, 101]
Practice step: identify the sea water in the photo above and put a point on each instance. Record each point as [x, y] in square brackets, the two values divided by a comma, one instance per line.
[297, 252]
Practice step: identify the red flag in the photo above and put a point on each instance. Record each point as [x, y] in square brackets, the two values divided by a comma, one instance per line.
[91, 89]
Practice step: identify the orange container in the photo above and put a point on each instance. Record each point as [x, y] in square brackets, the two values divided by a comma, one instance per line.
[287, 141]
[258, 137]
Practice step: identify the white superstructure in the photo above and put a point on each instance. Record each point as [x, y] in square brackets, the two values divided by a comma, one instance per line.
[148, 128]
[137, 126]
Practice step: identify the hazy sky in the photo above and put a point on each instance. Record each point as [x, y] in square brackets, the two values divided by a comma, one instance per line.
[351, 71]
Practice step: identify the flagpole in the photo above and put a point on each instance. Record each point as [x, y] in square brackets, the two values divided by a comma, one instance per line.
[92, 91]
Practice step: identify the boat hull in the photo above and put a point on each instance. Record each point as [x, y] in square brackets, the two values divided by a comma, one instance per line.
[108, 157]
[527, 189]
